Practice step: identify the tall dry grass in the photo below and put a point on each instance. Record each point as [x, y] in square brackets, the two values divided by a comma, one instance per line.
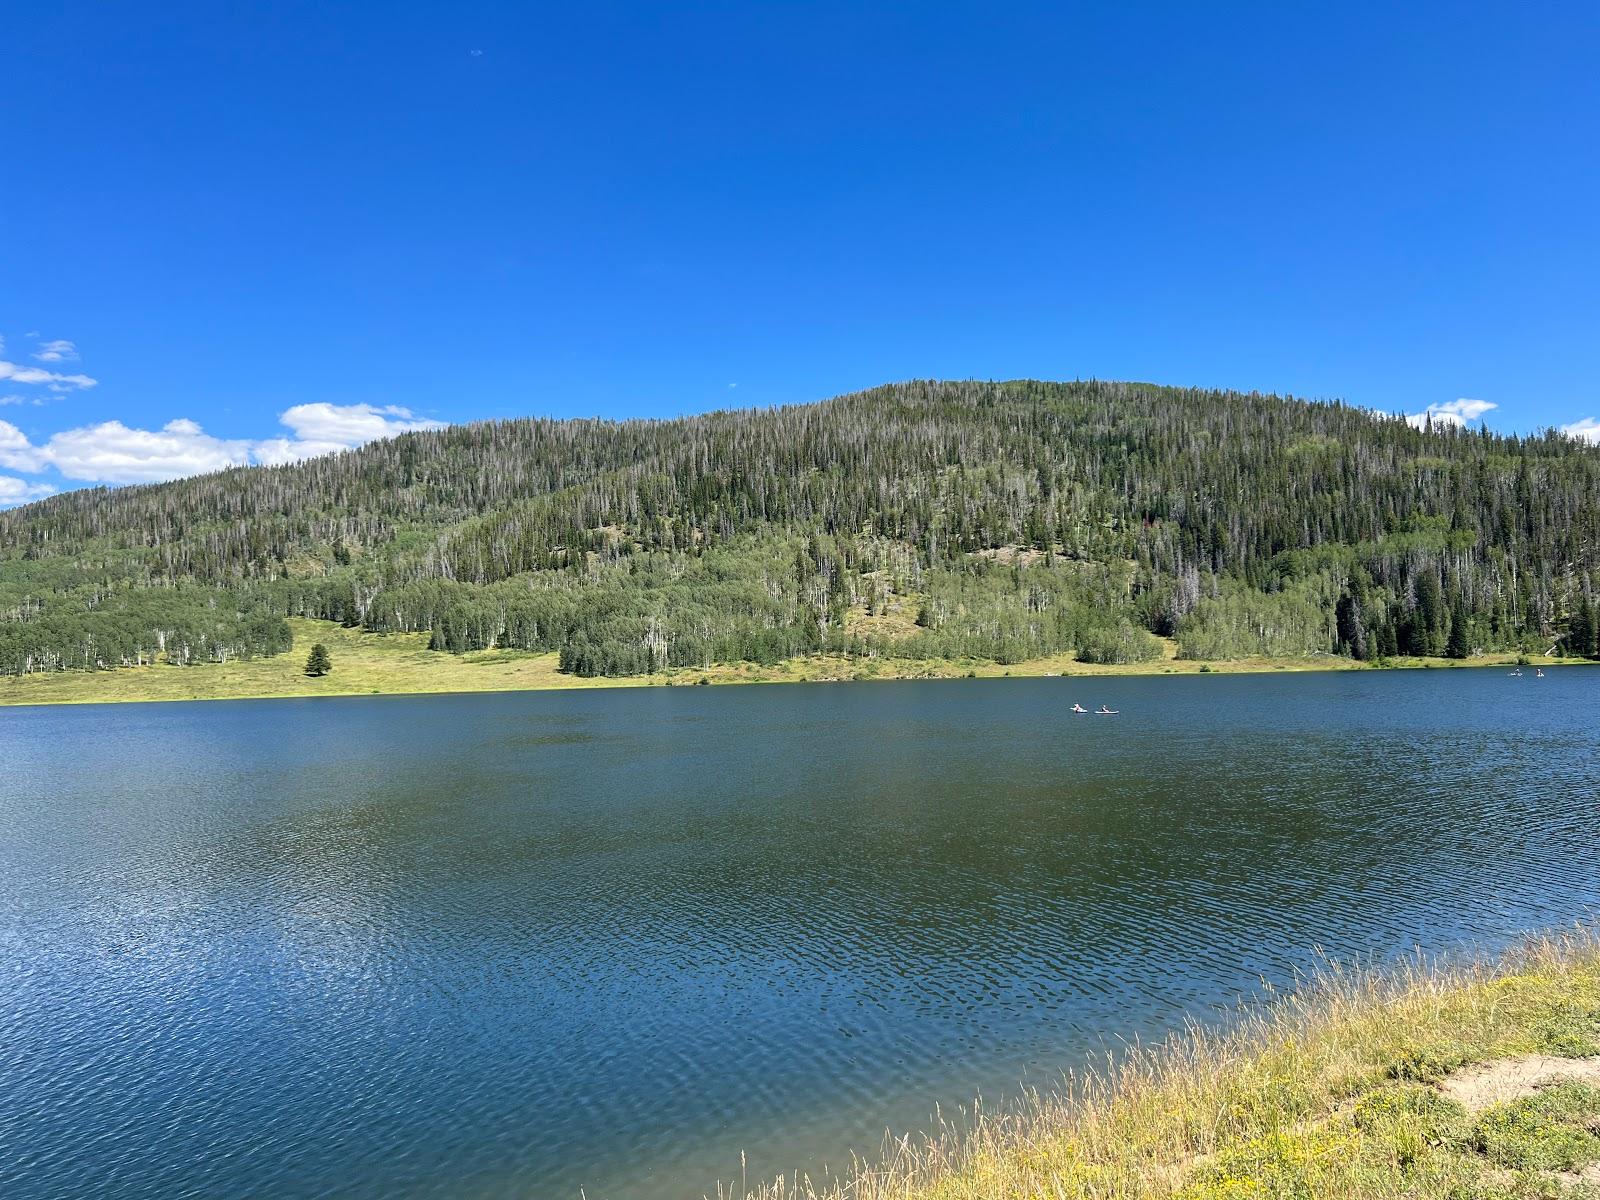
[1321, 1092]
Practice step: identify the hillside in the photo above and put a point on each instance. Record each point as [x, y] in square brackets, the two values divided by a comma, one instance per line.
[925, 520]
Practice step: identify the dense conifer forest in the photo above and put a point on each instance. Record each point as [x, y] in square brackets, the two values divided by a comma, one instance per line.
[995, 520]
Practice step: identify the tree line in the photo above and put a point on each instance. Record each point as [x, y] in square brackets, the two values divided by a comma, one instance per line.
[1015, 519]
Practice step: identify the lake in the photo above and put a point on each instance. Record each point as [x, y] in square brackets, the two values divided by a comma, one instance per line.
[515, 945]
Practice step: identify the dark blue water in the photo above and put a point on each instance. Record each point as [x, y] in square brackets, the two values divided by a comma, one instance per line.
[511, 946]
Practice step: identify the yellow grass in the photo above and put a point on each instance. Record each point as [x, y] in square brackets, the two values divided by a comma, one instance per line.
[366, 663]
[1332, 1093]
[363, 663]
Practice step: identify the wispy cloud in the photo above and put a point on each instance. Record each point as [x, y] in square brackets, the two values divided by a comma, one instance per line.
[54, 381]
[59, 350]
[1456, 412]
[1588, 429]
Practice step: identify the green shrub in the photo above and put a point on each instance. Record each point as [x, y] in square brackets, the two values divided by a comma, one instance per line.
[1121, 643]
[1546, 1132]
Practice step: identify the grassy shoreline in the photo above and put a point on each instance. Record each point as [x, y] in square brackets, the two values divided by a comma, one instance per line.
[401, 664]
[1468, 1082]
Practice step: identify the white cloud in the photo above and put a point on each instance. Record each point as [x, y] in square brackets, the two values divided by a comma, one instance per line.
[112, 452]
[52, 380]
[1588, 429]
[351, 424]
[1467, 410]
[20, 491]
[1456, 412]
[275, 452]
[59, 350]
[327, 428]
[15, 451]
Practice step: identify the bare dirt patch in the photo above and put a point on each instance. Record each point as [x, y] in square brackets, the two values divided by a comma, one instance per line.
[1482, 1084]
[1590, 1175]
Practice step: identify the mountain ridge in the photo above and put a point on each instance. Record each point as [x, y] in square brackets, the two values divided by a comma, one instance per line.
[1020, 518]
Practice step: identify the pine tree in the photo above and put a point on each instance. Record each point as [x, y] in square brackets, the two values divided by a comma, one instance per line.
[1582, 633]
[1431, 614]
[318, 662]
[1458, 646]
[1388, 643]
[1347, 620]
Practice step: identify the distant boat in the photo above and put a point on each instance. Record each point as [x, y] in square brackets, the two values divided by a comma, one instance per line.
[1103, 711]
[1517, 674]
[1078, 708]
[1538, 672]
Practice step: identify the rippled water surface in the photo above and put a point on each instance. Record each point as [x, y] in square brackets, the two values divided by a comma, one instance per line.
[511, 946]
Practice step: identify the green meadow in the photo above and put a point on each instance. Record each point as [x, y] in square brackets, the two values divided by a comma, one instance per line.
[401, 663]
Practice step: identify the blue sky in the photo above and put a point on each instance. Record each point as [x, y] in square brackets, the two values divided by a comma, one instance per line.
[262, 231]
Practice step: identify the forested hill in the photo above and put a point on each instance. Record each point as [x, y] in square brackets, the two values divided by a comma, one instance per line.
[1001, 520]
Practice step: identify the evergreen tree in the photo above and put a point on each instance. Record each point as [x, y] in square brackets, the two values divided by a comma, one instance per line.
[1347, 621]
[1388, 644]
[1458, 646]
[319, 661]
[1583, 630]
[1432, 616]
[1413, 636]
